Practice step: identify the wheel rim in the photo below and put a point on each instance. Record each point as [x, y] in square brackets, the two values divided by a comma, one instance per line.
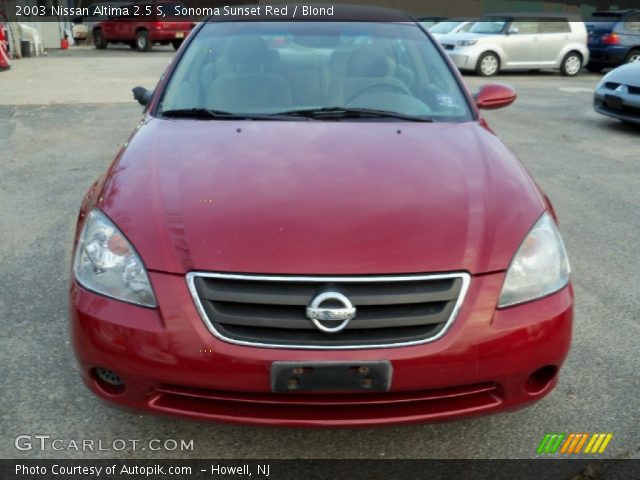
[141, 42]
[634, 58]
[572, 65]
[489, 65]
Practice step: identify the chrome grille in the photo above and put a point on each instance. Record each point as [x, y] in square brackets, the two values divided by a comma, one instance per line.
[269, 311]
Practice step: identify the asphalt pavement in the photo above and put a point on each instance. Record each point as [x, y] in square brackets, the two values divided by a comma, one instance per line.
[62, 119]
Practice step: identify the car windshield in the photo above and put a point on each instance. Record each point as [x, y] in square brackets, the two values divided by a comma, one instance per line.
[444, 27]
[270, 68]
[489, 26]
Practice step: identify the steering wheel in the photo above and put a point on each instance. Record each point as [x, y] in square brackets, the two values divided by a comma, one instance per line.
[391, 86]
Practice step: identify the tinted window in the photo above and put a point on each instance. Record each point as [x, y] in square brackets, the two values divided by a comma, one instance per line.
[272, 67]
[489, 26]
[467, 27]
[525, 26]
[444, 27]
[632, 22]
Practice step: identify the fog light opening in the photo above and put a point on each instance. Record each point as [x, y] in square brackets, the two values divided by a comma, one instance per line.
[108, 381]
[540, 379]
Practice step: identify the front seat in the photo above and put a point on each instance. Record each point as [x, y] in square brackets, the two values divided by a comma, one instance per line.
[368, 70]
[250, 85]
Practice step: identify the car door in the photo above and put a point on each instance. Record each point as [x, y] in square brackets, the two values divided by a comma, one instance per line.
[521, 46]
[553, 37]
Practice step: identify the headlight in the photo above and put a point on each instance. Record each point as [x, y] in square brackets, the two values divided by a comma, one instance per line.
[540, 266]
[466, 43]
[106, 263]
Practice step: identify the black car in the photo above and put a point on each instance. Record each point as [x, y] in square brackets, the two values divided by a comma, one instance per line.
[614, 38]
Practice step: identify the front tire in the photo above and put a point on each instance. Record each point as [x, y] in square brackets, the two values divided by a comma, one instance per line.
[633, 56]
[488, 64]
[571, 64]
[176, 44]
[143, 44]
[99, 40]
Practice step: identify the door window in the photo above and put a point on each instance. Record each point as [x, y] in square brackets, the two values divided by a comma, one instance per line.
[525, 26]
[558, 26]
[633, 22]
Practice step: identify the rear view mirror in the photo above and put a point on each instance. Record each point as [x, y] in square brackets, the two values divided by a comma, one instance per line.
[495, 95]
[142, 95]
[512, 30]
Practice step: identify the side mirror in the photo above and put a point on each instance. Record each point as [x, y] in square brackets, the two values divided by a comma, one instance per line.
[495, 95]
[142, 95]
[512, 30]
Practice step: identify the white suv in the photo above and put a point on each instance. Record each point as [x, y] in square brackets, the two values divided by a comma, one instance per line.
[521, 41]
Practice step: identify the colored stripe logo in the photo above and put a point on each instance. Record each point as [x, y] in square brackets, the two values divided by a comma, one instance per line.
[574, 443]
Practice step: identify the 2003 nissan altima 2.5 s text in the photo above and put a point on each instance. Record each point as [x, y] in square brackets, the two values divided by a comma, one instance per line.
[313, 226]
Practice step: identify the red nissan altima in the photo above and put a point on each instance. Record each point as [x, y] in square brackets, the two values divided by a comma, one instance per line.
[312, 225]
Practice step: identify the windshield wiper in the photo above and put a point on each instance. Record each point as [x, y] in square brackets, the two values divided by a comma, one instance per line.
[206, 113]
[349, 112]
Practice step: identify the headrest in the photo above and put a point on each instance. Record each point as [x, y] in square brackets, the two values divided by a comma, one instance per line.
[251, 54]
[368, 61]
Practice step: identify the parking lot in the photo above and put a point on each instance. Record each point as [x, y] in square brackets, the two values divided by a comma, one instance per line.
[64, 116]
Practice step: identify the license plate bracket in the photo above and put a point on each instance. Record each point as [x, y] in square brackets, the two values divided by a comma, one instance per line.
[331, 376]
[613, 102]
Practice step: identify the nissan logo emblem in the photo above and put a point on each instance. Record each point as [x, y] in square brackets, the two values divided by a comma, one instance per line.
[331, 319]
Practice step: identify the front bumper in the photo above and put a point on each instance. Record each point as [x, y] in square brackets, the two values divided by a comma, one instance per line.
[465, 58]
[170, 363]
[608, 55]
[627, 108]
[167, 35]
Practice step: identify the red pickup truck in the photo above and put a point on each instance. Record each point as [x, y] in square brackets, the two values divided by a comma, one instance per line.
[140, 25]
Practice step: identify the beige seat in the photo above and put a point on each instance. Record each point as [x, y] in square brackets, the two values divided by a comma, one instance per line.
[249, 85]
[368, 70]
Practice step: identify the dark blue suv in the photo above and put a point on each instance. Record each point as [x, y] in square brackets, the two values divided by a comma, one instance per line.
[614, 38]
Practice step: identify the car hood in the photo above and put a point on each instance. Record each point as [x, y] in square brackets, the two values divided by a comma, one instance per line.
[320, 197]
[628, 74]
[454, 37]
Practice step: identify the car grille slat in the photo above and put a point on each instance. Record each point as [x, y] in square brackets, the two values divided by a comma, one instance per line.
[281, 293]
[271, 311]
[291, 317]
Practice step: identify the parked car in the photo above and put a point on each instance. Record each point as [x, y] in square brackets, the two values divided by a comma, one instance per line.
[614, 38]
[428, 22]
[521, 42]
[441, 29]
[141, 35]
[618, 94]
[79, 32]
[284, 242]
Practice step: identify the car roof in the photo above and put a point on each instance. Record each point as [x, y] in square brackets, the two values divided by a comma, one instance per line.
[341, 13]
[574, 17]
[462, 19]
[613, 12]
